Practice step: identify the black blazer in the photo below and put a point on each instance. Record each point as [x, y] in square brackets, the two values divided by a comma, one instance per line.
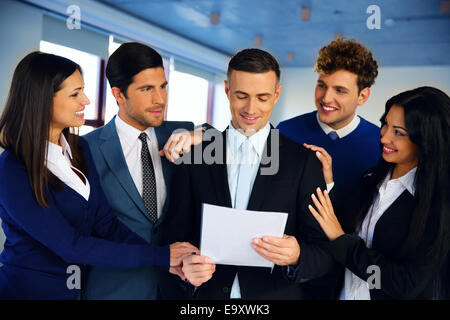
[401, 277]
[288, 190]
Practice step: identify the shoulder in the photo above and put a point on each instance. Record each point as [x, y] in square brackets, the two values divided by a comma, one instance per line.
[293, 122]
[93, 135]
[172, 125]
[11, 168]
[369, 126]
[292, 149]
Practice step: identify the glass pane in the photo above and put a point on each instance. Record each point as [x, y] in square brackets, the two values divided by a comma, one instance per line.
[90, 65]
[188, 98]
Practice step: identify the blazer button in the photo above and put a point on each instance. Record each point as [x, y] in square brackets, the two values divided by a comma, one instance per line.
[226, 290]
[155, 230]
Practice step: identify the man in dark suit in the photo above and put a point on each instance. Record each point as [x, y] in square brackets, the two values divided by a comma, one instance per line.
[134, 175]
[276, 175]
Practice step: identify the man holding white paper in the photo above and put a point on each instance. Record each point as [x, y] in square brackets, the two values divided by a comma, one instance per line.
[253, 168]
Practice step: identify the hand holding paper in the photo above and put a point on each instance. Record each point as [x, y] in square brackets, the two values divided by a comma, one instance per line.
[227, 234]
[281, 251]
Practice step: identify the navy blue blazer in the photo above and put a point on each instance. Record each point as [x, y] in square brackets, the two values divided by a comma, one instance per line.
[128, 206]
[41, 243]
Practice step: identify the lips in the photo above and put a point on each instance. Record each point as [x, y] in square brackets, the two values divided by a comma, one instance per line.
[249, 120]
[387, 150]
[156, 111]
[80, 114]
[328, 108]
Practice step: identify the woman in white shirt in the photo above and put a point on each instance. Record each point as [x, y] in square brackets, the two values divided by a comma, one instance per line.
[395, 238]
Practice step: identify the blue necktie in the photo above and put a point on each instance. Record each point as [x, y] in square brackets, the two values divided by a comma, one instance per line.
[333, 135]
[244, 186]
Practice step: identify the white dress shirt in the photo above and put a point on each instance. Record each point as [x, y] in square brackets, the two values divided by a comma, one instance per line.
[389, 190]
[233, 158]
[58, 162]
[131, 148]
[342, 132]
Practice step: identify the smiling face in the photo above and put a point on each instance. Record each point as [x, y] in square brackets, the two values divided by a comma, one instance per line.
[146, 99]
[252, 97]
[397, 147]
[68, 105]
[337, 97]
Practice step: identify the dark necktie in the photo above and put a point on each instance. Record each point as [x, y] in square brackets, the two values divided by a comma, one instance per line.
[148, 179]
[333, 135]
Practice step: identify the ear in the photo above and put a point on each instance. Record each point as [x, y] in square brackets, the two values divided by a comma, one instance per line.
[277, 93]
[227, 89]
[118, 95]
[363, 96]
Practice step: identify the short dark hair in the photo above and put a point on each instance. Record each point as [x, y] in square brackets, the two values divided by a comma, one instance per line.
[127, 61]
[254, 61]
[348, 55]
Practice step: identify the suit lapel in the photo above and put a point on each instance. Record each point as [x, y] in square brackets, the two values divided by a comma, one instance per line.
[112, 152]
[163, 134]
[219, 177]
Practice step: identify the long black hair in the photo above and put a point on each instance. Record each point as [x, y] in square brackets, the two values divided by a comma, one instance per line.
[25, 121]
[427, 119]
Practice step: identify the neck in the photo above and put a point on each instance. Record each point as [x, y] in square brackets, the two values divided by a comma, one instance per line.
[54, 136]
[401, 170]
[134, 124]
[340, 125]
[248, 133]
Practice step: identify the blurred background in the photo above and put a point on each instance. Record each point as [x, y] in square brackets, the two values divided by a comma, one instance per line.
[410, 39]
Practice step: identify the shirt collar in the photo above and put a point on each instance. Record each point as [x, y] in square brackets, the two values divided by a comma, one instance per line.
[55, 152]
[407, 181]
[340, 132]
[128, 132]
[258, 140]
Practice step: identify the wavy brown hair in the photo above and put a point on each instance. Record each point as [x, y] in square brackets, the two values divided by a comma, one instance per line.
[25, 121]
[348, 55]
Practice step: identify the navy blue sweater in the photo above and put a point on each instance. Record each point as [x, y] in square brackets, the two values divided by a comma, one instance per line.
[42, 242]
[352, 155]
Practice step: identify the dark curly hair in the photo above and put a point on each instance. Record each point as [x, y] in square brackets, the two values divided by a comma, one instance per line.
[349, 55]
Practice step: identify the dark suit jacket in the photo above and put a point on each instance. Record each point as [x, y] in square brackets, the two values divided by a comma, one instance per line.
[288, 190]
[401, 277]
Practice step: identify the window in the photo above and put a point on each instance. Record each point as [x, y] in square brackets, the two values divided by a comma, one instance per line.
[188, 98]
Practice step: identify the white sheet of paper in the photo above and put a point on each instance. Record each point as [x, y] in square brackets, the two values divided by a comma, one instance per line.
[227, 234]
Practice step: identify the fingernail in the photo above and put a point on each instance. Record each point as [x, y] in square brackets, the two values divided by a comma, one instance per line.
[193, 252]
[313, 195]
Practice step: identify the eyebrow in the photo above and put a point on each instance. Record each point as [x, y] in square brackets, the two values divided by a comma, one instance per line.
[336, 87]
[259, 94]
[76, 89]
[398, 127]
[151, 85]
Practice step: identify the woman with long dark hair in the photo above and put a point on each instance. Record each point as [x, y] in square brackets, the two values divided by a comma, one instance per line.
[395, 237]
[54, 214]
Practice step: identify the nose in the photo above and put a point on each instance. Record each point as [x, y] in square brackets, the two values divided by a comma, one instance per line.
[386, 137]
[159, 96]
[86, 100]
[328, 96]
[250, 107]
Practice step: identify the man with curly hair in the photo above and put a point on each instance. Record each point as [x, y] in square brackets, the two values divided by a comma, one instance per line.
[346, 71]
